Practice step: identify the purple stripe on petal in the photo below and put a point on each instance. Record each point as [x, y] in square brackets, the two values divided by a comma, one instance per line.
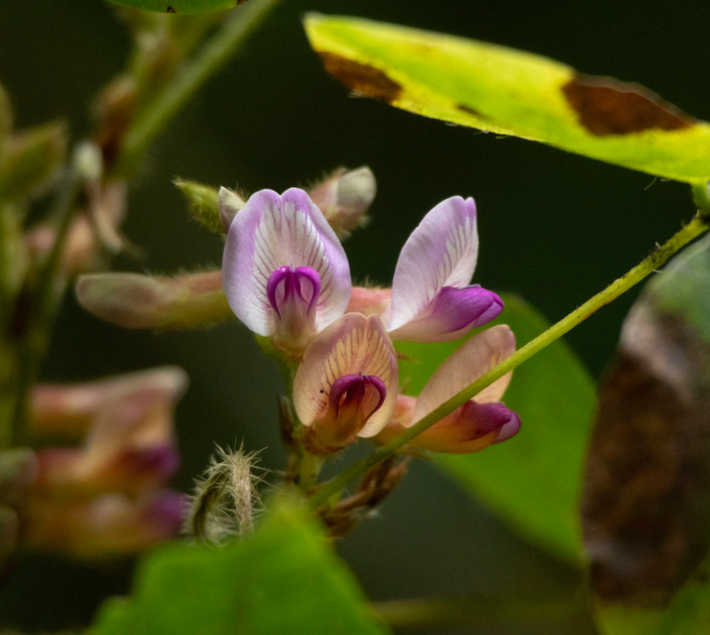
[451, 315]
[272, 232]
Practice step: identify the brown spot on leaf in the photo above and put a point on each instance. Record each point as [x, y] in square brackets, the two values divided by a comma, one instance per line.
[361, 78]
[609, 107]
[646, 502]
[170, 10]
[469, 111]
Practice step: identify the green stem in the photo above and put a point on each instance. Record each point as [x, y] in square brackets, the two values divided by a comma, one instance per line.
[36, 336]
[701, 197]
[433, 613]
[310, 467]
[696, 227]
[207, 62]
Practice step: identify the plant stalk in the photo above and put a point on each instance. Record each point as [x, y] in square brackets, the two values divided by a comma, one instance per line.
[659, 256]
[206, 63]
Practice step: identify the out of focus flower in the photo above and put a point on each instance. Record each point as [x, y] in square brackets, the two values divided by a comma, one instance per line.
[106, 497]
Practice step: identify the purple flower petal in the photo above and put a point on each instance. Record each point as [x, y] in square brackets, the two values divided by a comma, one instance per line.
[275, 231]
[441, 252]
[450, 315]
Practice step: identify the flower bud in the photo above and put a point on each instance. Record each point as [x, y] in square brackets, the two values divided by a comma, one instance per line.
[229, 205]
[136, 301]
[203, 203]
[344, 198]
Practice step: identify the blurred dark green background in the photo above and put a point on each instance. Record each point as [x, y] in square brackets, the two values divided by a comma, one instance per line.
[554, 227]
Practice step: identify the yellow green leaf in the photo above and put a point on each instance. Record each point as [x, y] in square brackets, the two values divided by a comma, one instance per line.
[513, 92]
[180, 6]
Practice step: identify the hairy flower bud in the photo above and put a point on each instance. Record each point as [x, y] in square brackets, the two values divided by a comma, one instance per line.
[136, 301]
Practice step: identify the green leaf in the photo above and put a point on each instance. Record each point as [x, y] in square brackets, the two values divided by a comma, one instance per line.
[285, 579]
[512, 92]
[533, 480]
[181, 6]
[646, 503]
[687, 614]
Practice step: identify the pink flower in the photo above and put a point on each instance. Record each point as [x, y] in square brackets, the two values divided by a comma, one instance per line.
[431, 299]
[346, 386]
[107, 496]
[285, 272]
[478, 423]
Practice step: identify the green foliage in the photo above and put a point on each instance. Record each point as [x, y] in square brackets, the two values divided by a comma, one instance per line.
[513, 92]
[285, 579]
[687, 614]
[533, 480]
[180, 6]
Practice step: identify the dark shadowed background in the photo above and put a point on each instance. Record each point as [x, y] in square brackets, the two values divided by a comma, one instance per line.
[554, 227]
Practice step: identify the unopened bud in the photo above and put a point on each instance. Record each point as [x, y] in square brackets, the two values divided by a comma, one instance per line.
[87, 161]
[224, 501]
[344, 198]
[204, 203]
[229, 205]
[136, 301]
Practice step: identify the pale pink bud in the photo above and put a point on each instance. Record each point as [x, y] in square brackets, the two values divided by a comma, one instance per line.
[344, 198]
[230, 204]
[136, 301]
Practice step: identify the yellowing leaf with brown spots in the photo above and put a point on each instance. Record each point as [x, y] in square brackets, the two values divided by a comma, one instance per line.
[512, 92]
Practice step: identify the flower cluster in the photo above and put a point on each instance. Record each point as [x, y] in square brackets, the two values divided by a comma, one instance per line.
[106, 497]
[286, 277]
